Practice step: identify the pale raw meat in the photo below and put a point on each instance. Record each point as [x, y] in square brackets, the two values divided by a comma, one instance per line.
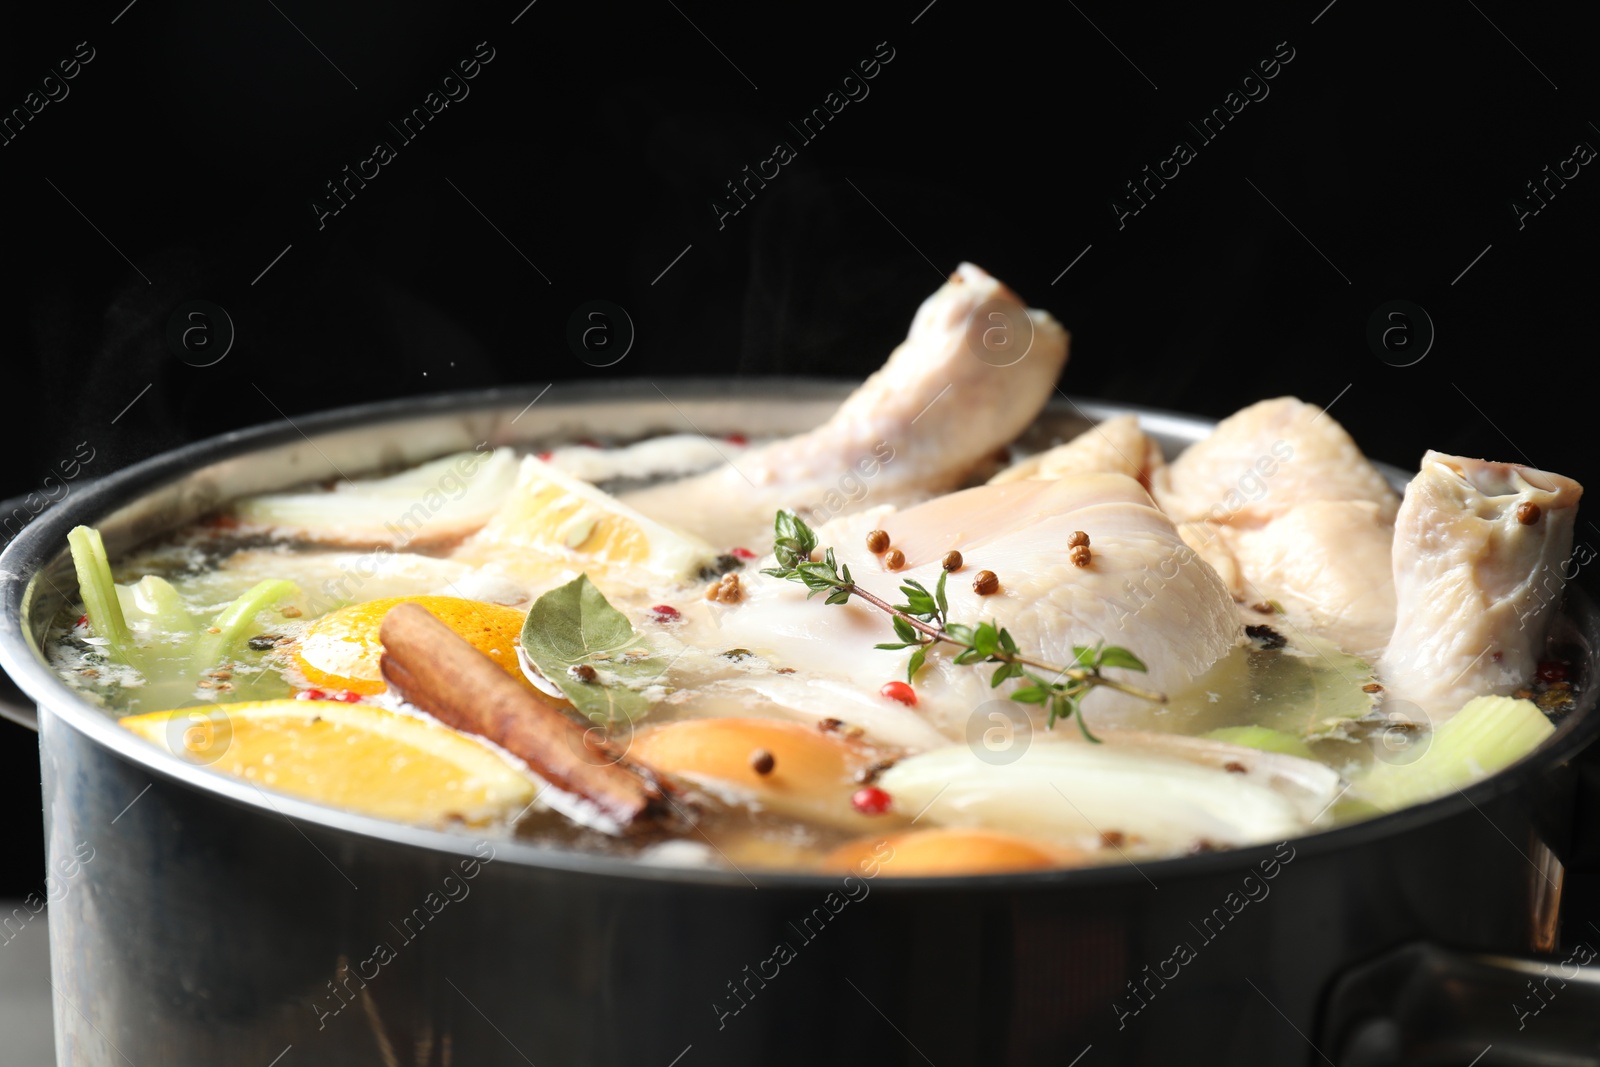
[1261, 461]
[1477, 582]
[1207, 541]
[1143, 590]
[917, 427]
[1116, 446]
[1283, 505]
[1325, 563]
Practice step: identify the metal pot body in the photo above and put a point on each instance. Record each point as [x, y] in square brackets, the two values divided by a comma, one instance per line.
[205, 932]
[197, 921]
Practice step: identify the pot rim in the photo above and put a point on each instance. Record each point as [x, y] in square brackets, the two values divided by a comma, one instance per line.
[43, 540]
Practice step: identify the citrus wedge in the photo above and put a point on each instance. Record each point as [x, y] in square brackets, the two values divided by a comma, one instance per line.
[359, 757]
[553, 524]
[341, 649]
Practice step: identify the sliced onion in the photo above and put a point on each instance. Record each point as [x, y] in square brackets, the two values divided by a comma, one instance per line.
[1076, 792]
[444, 499]
[1309, 785]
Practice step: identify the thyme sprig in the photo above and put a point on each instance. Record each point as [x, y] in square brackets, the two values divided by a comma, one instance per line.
[923, 621]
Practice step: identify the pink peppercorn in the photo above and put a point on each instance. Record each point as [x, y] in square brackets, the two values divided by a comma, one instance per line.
[899, 691]
[870, 800]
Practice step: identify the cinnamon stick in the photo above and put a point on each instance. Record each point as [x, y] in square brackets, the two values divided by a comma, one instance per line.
[437, 670]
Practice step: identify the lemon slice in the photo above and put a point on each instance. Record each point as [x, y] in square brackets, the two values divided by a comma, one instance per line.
[341, 649]
[554, 524]
[359, 757]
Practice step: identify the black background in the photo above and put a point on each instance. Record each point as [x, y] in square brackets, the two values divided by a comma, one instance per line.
[1382, 163]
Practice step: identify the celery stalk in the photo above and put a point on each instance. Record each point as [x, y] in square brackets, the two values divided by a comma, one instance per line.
[99, 591]
[1486, 735]
[236, 618]
[154, 599]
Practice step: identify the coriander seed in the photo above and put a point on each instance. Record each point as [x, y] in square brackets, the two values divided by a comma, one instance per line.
[726, 590]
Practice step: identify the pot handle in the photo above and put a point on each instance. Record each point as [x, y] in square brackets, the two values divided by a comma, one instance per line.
[1423, 1005]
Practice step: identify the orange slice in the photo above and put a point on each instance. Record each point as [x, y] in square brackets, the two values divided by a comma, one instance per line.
[952, 850]
[341, 649]
[812, 775]
[359, 757]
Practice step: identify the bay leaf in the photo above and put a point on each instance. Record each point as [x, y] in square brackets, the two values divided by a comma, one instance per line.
[575, 624]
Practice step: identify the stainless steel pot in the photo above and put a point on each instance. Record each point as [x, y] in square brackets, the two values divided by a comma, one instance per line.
[197, 920]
